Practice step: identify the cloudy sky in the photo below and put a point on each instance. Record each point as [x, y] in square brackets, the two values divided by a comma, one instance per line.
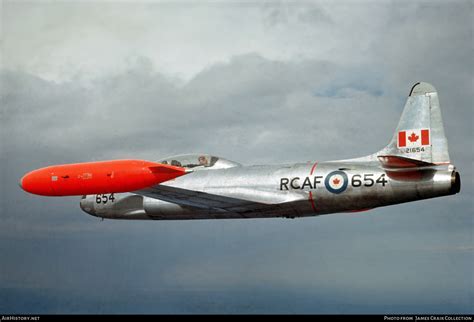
[255, 82]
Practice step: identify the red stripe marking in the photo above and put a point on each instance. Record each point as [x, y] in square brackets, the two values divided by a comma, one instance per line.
[425, 137]
[314, 167]
[402, 139]
[311, 193]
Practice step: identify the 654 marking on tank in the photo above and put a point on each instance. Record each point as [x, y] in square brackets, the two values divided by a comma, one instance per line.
[335, 182]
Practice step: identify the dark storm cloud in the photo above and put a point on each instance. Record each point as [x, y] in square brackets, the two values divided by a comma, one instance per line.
[241, 103]
[250, 107]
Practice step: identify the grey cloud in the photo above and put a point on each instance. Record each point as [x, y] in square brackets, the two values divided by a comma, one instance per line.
[140, 110]
[284, 12]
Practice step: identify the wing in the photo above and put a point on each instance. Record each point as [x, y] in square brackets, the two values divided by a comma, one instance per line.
[204, 200]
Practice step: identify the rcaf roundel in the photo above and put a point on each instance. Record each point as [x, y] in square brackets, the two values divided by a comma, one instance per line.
[336, 181]
[413, 138]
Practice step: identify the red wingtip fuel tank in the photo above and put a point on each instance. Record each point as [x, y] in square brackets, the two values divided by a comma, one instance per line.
[98, 177]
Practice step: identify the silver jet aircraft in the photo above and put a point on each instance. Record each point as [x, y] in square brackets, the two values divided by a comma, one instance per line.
[414, 165]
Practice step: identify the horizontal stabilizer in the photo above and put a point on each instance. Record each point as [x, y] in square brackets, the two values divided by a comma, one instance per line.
[398, 162]
[406, 169]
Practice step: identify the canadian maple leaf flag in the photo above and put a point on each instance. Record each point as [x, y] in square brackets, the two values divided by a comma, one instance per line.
[413, 138]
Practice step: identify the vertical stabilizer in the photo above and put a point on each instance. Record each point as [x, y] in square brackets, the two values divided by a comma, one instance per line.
[420, 133]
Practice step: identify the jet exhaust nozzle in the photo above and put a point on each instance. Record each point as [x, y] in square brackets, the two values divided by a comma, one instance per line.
[455, 183]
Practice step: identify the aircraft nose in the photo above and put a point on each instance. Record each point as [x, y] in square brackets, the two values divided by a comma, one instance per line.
[87, 205]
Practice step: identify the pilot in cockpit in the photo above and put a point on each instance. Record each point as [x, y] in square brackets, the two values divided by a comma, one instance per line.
[203, 161]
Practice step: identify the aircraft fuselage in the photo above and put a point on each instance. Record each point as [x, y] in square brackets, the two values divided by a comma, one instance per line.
[298, 190]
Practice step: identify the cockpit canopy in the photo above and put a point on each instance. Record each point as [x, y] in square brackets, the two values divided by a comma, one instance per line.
[199, 162]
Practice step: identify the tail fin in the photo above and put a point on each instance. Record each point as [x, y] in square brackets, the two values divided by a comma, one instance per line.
[420, 135]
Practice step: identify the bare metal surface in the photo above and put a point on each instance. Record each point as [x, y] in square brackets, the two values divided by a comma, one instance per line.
[218, 188]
